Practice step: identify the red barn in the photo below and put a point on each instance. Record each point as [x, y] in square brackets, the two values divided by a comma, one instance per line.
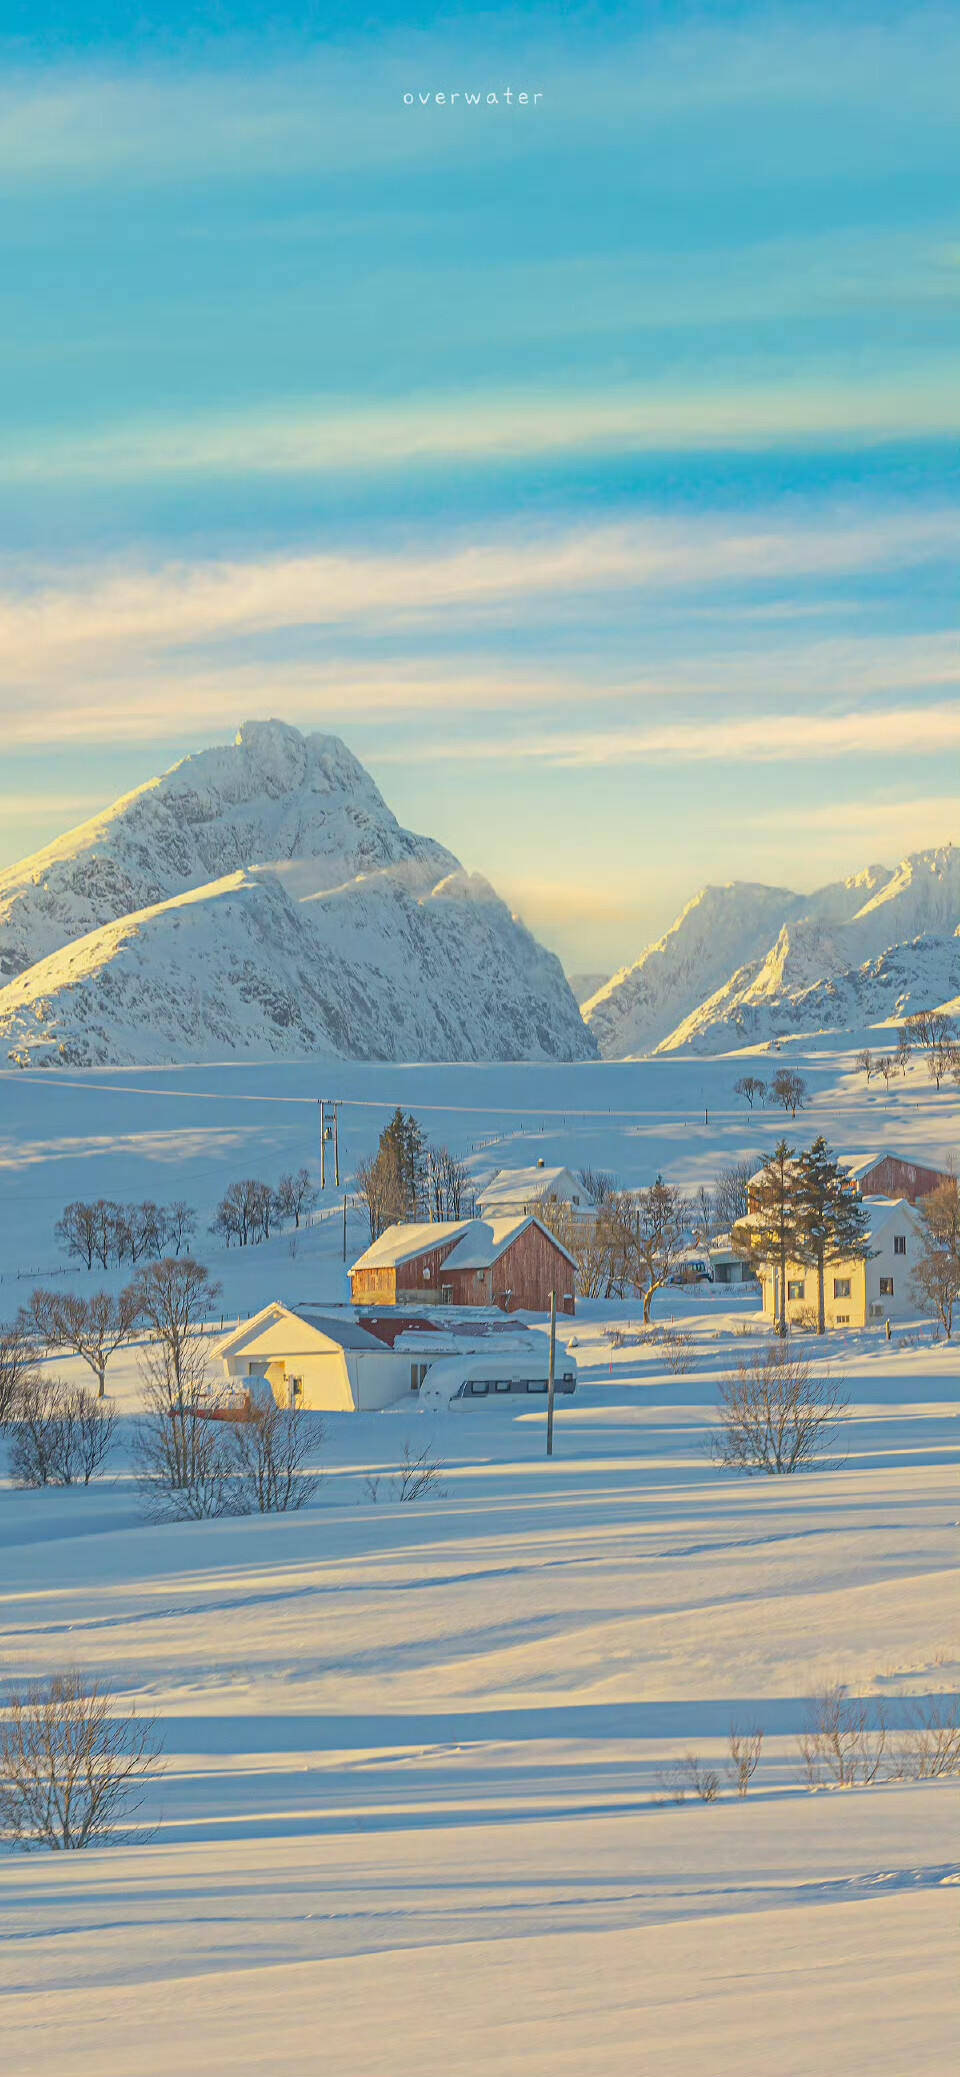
[511, 1263]
[892, 1175]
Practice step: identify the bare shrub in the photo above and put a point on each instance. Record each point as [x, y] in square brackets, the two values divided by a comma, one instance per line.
[775, 1415]
[418, 1477]
[677, 1349]
[838, 1744]
[18, 1365]
[183, 1461]
[746, 1747]
[265, 1455]
[689, 1777]
[930, 1746]
[61, 1433]
[70, 1770]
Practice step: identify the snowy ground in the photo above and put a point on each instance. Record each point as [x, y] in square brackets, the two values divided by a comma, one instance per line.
[411, 1823]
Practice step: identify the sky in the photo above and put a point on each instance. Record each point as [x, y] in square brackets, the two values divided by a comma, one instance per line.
[589, 463]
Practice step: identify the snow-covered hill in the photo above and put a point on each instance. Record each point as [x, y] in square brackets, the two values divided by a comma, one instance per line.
[744, 963]
[261, 901]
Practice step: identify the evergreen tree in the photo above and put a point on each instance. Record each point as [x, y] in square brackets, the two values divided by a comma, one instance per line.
[403, 1150]
[770, 1232]
[831, 1220]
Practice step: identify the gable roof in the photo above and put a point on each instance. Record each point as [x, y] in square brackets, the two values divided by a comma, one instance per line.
[511, 1185]
[402, 1243]
[858, 1165]
[345, 1332]
[480, 1242]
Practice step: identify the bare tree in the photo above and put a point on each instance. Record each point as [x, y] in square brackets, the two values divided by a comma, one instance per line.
[904, 1046]
[703, 1215]
[294, 1196]
[648, 1235]
[76, 1230]
[599, 1184]
[746, 1747]
[864, 1064]
[587, 1240]
[936, 1274]
[266, 1454]
[752, 1089]
[18, 1365]
[838, 1743]
[181, 1457]
[378, 1186]
[447, 1180]
[731, 1193]
[71, 1771]
[182, 1220]
[92, 1328]
[775, 1415]
[789, 1091]
[61, 1434]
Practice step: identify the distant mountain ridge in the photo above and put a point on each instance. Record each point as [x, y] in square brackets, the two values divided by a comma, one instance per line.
[745, 963]
[261, 899]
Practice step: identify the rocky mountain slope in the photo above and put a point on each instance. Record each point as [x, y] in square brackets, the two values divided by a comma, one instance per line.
[262, 900]
[746, 963]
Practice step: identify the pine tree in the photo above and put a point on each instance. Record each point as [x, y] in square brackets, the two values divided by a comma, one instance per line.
[403, 1150]
[831, 1220]
[770, 1232]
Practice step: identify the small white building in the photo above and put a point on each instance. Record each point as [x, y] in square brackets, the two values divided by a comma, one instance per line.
[316, 1360]
[516, 1192]
[729, 1264]
[857, 1294]
[335, 1362]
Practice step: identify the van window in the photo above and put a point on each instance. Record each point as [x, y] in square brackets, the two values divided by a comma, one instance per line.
[503, 1384]
[535, 1384]
[479, 1385]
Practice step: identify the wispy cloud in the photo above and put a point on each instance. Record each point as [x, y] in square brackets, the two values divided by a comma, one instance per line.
[744, 739]
[98, 612]
[336, 438]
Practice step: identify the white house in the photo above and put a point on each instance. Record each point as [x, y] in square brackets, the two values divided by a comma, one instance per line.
[335, 1362]
[857, 1294]
[515, 1192]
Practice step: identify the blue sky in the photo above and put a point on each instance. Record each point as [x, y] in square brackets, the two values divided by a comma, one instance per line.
[590, 465]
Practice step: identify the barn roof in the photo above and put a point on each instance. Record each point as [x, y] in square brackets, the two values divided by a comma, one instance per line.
[480, 1242]
[861, 1164]
[402, 1243]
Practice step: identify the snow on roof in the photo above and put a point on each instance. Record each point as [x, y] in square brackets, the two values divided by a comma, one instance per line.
[343, 1330]
[481, 1242]
[880, 1209]
[861, 1164]
[511, 1185]
[401, 1243]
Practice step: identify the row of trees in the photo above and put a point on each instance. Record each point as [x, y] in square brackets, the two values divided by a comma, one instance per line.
[108, 1233]
[931, 1030]
[187, 1463]
[786, 1092]
[408, 1178]
[250, 1210]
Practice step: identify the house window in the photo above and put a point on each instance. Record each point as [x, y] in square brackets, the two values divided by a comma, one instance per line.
[841, 1287]
[899, 1243]
[842, 1319]
[418, 1372]
[446, 1293]
[886, 1287]
[796, 1290]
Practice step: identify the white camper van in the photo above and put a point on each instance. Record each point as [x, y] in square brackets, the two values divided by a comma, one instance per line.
[509, 1375]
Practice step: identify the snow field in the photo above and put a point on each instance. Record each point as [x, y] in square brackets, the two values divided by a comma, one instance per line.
[412, 1820]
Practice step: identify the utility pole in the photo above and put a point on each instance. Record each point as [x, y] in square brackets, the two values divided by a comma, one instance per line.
[553, 1365]
[336, 1149]
[344, 1228]
[323, 1145]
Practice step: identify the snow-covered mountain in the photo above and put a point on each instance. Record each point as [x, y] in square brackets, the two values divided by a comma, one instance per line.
[745, 963]
[263, 900]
